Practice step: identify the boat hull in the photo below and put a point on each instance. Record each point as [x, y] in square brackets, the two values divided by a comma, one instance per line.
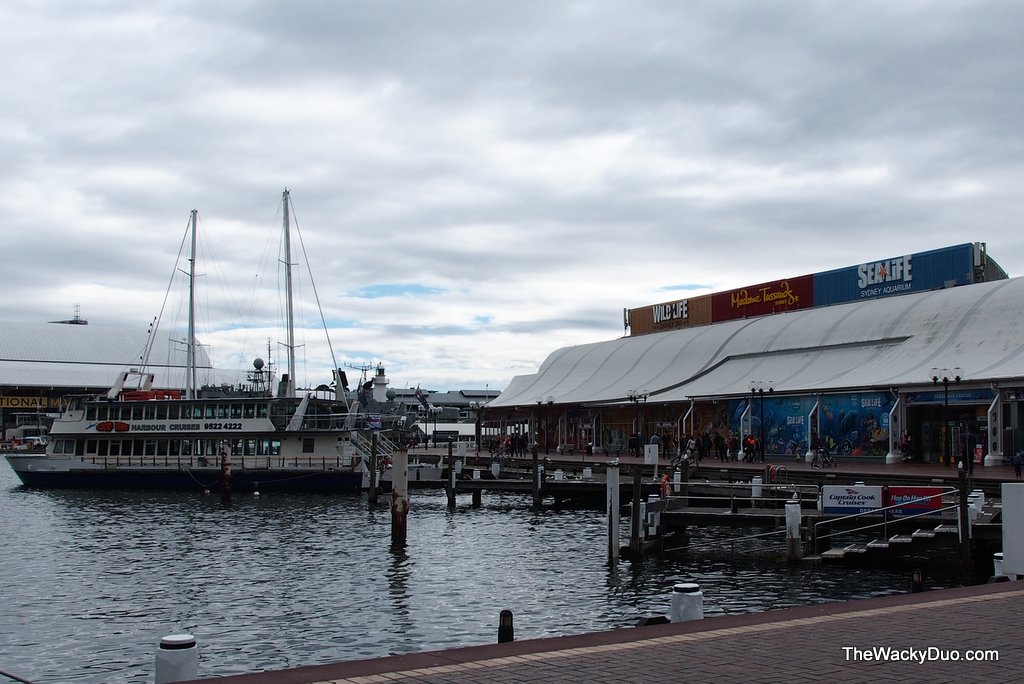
[37, 473]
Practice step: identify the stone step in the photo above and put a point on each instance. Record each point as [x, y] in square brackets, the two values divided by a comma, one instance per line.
[878, 544]
[947, 529]
[856, 548]
[833, 554]
[923, 534]
[901, 539]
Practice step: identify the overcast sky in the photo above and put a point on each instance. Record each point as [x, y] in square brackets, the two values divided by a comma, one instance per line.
[478, 183]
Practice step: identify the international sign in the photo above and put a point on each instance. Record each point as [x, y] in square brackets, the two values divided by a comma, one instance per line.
[841, 500]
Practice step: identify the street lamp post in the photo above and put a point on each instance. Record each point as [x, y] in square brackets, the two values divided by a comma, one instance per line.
[759, 387]
[945, 376]
[638, 397]
[542, 412]
[478, 413]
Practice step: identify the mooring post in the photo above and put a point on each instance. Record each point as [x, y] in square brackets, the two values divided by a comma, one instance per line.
[506, 631]
[793, 549]
[177, 659]
[372, 492]
[537, 499]
[225, 477]
[612, 492]
[965, 523]
[399, 497]
[450, 488]
[636, 544]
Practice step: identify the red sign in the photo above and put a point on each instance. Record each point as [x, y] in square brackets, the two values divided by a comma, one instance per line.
[915, 500]
[756, 300]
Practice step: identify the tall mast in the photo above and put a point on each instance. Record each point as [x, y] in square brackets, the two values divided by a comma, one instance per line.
[290, 388]
[190, 380]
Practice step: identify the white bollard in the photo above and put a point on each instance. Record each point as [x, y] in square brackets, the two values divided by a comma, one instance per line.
[458, 467]
[476, 474]
[997, 563]
[588, 473]
[677, 481]
[559, 475]
[755, 490]
[687, 602]
[981, 498]
[496, 469]
[177, 659]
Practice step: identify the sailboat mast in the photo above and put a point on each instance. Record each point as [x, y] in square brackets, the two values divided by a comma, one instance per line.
[190, 380]
[288, 296]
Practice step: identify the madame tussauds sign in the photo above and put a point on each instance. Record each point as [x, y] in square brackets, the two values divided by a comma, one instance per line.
[844, 500]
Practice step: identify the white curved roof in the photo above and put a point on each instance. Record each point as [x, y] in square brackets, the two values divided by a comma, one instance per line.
[87, 356]
[882, 343]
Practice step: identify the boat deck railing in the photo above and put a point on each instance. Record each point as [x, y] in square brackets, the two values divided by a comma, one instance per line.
[213, 462]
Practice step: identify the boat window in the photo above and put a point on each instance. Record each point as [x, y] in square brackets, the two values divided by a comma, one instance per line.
[211, 410]
[161, 411]
[150, 447]
[115, 447]
[236, 411]
[250, 447]
[222, 411]
[173, 411]
[197, 410]
[90, 413]
[137, 412]
[138, 448]
[102, 412]
[103, 448]
[90, 447]
[308, 445]
[261, 410]
[149, 411]
[249, 411]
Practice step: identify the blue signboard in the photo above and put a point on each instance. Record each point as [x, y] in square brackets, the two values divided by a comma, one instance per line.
[919, 272]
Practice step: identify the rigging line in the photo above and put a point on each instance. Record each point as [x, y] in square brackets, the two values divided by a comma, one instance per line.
[155, 325]
[316, 295]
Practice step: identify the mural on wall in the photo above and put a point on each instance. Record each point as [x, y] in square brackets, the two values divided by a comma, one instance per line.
[856, 424]
[785, 422]
[851, 424]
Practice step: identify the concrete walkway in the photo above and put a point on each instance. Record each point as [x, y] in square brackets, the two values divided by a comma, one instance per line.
[969, 634]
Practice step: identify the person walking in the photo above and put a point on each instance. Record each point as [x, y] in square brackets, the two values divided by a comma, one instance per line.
[1018, 461]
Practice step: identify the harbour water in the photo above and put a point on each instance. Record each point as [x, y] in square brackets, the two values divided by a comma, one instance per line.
[92, 580]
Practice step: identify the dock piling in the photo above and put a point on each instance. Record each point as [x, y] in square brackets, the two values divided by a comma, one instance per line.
[612, 510]
[400, 498]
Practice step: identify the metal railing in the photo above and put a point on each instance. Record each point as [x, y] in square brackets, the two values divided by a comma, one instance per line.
[885, 512]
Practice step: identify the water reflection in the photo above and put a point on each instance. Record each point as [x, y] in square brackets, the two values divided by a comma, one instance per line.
[94, 579]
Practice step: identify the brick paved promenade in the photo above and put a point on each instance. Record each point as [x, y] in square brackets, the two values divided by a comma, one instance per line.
[792, 646]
